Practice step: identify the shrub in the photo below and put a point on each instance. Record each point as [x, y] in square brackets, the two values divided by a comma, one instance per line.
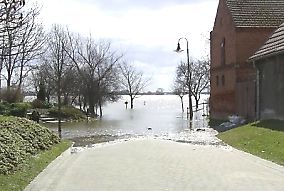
[12, 95]
[67, 112]
[19, 139]
[4, 108]
[19, 109]
[14, 109]
[40, 104]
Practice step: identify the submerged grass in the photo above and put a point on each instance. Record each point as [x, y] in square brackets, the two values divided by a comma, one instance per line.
[32, 167]
[264, 139]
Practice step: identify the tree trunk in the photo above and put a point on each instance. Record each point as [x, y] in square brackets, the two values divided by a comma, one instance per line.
[182, 106]
[196, 102]
[66, 99]
[91, 106]
[59, 112]
[9, 81]
[80, 102]
[21, 73]
[131, 102]
[190, 107]
[92, 109]
[101, 109]
[48, 97]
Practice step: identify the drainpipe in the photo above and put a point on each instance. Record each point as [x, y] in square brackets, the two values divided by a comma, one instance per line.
[257, 92]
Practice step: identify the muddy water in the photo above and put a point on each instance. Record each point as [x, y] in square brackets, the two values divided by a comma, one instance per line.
[157, 116]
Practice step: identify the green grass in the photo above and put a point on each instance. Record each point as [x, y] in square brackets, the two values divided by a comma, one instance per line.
[5, 118]
[264, 139]
[33, 166]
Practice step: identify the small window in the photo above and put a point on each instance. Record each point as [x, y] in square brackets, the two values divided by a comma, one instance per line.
[223, 80]
[217, 81]
[223, 52]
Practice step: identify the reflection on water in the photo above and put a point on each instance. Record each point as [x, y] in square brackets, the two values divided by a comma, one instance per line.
[158, 115]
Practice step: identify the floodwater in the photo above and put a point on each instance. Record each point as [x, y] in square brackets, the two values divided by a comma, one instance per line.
[153, 115]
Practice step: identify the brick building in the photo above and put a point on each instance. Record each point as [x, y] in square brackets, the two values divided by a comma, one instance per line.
[241, 27]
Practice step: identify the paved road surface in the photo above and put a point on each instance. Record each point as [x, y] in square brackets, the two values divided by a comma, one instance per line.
[158, 165]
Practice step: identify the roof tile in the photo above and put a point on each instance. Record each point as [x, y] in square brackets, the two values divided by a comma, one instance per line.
[257, 13]
[274, 45]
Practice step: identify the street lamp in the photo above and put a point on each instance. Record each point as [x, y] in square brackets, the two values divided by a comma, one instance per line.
[190, 113]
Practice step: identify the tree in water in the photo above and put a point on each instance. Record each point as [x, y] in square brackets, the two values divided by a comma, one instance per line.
[96, 64]
[199, 71]
[132, 80]
[200, 78]
[179, 90]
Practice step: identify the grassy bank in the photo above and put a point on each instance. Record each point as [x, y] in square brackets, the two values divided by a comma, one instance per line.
[31, 168]
[19, 139]
[26, 148]
[264, 139]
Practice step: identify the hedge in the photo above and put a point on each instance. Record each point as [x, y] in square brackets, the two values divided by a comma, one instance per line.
[19, 139]
[14, 109]
[67, 112]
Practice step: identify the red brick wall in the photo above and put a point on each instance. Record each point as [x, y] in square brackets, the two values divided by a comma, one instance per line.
[222, 99]
[223, 28]
[249, 40]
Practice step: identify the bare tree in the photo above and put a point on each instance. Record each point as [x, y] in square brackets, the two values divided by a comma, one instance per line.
[10, 21]
[95, 63]
[57, 63]
[40, 75]
[70, 86]
[200, 79]
[22, 42]
[181, 85]
[31, 46]
[179, 89]
[108, 83]
[199, 71]
[132, 80]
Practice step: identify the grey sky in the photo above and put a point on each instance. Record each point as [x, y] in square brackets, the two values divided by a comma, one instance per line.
[145, 31]
[124, 5]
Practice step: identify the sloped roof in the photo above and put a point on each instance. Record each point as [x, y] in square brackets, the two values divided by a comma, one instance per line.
[257, 13]
[274, 45]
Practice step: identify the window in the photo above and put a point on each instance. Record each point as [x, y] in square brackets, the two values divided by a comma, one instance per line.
[223, 52]
[223, 80]
[217, 81]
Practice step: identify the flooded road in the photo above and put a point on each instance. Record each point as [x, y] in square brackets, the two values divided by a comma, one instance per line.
[153, 115]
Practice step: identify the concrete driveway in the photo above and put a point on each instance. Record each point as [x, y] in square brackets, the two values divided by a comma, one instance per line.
[159, 165]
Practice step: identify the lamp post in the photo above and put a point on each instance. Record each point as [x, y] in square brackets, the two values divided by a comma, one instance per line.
[190, 113]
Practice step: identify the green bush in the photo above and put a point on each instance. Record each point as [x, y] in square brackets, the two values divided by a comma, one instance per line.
[40, 104]
[19, 109]
[19, 139]
[12, 95]
[14, 109]
[67, 112]
[4, 108]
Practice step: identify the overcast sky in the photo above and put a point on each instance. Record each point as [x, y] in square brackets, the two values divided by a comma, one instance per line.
[145, 31]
